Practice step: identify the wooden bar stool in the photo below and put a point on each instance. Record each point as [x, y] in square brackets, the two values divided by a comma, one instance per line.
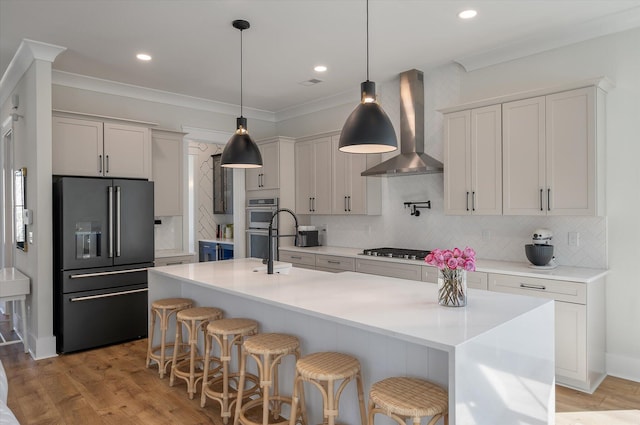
[191, 369]
[408, 398]
[215, 384]
[267, 350]
[323, 370]
[164, 309]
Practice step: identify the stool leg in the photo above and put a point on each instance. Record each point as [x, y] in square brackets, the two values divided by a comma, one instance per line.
[175, 357]
[225, 358]
[243, 362]
[330, 411]
[164, 325]
[371, 412]
[205, 373]
[193, 348]
[152, 326]
[265, 380]
[363, 412]
[294, 399]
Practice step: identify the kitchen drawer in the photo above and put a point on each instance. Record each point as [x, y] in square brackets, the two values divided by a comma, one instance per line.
[387, 268]
[169, 261]
[572, 292]
[335, 263]
[298, 258]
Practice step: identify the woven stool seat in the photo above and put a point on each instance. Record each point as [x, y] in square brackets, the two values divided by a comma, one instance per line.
[172, 303]
[191, 369]
[273, 344]
[267, 350]
[163, 354]
[403, 397]
[326, 370]
[325, 366]
[233, 326]
[221, 384]
[200, 313]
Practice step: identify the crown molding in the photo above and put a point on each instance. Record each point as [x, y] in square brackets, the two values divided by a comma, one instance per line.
[28, 51]
[68, 79]
[351, 96]
[607, 25]
[206, 135]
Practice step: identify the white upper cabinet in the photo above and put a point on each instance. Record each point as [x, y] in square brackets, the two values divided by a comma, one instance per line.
[266, 177]
[168, 178]
[313, 164]
[550, 154]
[83, 147]
[351, 192]
[473, 161]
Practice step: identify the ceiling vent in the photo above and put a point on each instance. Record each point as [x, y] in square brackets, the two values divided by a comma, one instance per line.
[310, 82]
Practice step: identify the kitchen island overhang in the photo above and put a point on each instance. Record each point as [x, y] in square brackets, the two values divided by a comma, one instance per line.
[495, 356]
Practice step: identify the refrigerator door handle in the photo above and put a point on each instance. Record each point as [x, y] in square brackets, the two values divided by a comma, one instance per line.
[110, 222]
[111, 294]
[118, 221]
[81, 276]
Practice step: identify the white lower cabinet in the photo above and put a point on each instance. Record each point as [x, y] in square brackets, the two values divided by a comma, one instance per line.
[475, 280]
[178, 259]
[390, 269]
[579, 325]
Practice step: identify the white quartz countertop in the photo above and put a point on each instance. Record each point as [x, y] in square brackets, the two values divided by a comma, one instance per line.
[573, 274]
[13, 282]
[401, 308]
[166, 253]
[218, 240]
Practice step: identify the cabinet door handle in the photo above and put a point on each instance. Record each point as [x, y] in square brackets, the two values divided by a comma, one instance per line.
[107, 157]
[549, 199]
[538, 287]
[345, 203]
[310, 206]
[541, 209]
[349, 198]
[473, 201]
[333, 262]
[313, 204]
[100, 164]
[467, 198]
[174, 263]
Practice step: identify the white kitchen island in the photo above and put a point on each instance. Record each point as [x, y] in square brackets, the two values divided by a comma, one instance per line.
[495, 356]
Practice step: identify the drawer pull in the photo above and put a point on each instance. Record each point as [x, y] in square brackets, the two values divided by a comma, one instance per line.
[539, 287]
[110, 294]
[333, 262]
[174, 263]
[81, 276]
[295, 257]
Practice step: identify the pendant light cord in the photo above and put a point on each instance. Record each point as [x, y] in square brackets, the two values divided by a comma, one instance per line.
[367, 40]
[241, 73]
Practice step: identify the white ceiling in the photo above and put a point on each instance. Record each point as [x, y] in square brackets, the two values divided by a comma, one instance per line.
[196, 51]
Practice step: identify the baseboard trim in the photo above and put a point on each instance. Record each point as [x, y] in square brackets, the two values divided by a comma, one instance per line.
[42, 348]
[623, 367]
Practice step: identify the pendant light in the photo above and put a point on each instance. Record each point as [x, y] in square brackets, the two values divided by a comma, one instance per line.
[241, 151]
[368, 129]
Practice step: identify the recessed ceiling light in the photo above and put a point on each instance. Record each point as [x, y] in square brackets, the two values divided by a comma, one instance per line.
[320, 68]
[143, 57]
[467, 14]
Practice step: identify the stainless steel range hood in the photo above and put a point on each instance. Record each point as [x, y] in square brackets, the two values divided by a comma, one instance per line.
[412, 159]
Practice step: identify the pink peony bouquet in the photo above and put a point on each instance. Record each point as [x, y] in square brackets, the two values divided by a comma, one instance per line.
[455, 259]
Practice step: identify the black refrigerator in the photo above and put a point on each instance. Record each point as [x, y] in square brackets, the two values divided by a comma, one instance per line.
[103, 244]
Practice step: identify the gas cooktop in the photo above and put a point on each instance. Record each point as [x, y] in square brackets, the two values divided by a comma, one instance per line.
[409, 254]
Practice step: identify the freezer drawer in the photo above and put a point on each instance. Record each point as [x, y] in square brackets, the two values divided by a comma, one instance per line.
[92, 319]
[104, 278]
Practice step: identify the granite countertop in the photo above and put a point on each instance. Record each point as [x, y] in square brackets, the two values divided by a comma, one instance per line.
[573, 274]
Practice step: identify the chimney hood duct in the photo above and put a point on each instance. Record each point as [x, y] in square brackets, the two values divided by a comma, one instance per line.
[412, 159]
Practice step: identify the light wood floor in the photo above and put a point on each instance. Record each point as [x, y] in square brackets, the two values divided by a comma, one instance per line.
[112, 386]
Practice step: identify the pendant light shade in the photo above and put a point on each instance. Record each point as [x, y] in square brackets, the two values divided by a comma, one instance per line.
[368, 129]
[241, 151]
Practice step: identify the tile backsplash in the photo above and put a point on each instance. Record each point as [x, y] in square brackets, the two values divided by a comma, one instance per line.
[168, 234]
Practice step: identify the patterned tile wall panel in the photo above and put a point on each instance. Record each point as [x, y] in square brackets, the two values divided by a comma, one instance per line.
[493, 237]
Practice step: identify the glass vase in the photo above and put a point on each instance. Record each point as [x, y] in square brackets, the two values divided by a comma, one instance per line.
[452, 287]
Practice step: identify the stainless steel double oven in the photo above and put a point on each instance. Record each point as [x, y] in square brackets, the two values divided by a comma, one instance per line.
[259, 212]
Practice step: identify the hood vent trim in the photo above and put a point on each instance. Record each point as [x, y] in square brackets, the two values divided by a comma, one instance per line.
[411, 160]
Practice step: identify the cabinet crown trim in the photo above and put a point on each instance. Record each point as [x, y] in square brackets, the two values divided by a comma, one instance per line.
[59, 112]
[603, 83]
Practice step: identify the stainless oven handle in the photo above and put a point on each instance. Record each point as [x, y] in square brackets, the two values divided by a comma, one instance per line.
[81, 276]
[111, 294]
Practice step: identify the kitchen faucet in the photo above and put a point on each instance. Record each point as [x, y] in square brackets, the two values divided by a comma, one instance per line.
[270, 249]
